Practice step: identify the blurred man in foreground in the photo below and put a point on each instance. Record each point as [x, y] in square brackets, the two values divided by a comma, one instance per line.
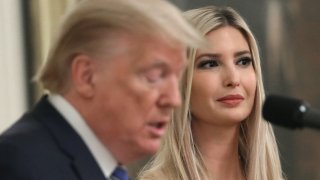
[112, 76]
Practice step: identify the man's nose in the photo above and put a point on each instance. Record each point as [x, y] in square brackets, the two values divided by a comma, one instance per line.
[171, 93]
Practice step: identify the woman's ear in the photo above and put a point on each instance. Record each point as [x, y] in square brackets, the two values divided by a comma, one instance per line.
[83, 68]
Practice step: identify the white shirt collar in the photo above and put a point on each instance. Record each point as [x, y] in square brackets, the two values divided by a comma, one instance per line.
[100, 153]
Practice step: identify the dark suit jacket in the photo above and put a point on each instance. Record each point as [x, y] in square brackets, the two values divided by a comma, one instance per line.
[43, 146]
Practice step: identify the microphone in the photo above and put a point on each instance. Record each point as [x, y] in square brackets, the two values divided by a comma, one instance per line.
[290, 113]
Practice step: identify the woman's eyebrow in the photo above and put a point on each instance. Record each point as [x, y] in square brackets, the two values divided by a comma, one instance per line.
[240, 53]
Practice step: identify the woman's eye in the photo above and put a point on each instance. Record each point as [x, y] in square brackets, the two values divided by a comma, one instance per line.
[206, 64]
[244, 61]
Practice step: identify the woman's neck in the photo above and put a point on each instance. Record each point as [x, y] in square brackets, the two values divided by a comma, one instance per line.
[219, 149]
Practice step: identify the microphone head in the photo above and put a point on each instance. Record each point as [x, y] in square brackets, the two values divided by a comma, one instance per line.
[284, 111]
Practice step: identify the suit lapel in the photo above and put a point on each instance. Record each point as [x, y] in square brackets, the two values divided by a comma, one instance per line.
[68, 140]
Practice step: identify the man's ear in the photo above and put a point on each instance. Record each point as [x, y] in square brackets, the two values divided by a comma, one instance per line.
[82, 71]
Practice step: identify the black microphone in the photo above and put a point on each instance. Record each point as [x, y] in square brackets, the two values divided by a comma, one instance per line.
[290, 113]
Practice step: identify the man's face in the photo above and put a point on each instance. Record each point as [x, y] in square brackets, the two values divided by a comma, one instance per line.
[136, 90]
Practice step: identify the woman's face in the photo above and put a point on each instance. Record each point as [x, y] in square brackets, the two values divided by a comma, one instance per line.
[224, 81]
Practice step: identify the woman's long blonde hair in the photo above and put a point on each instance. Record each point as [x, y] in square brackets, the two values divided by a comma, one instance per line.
[179, 157]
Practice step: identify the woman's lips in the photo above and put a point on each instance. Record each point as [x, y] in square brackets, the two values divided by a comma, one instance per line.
[231, 100]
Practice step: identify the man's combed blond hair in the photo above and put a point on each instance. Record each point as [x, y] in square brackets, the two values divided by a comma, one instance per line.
[92, 26]
[179, 157]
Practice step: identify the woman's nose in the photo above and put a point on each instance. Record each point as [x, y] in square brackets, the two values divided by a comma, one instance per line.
[231, 77]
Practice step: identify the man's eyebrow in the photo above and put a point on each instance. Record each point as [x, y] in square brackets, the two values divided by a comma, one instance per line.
[159, 64]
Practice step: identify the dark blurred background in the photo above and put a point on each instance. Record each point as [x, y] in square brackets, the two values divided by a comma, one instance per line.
[286, 31]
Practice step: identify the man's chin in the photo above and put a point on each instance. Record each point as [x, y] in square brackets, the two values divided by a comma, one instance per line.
[151, 147]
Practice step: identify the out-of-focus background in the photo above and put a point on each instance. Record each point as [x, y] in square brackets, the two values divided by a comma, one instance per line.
[287, 32]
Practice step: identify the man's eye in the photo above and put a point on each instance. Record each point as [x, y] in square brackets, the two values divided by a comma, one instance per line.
[206, 64]
[244, 61]
[154, 75]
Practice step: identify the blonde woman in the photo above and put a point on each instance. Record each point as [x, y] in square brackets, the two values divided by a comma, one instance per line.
[218, 132]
